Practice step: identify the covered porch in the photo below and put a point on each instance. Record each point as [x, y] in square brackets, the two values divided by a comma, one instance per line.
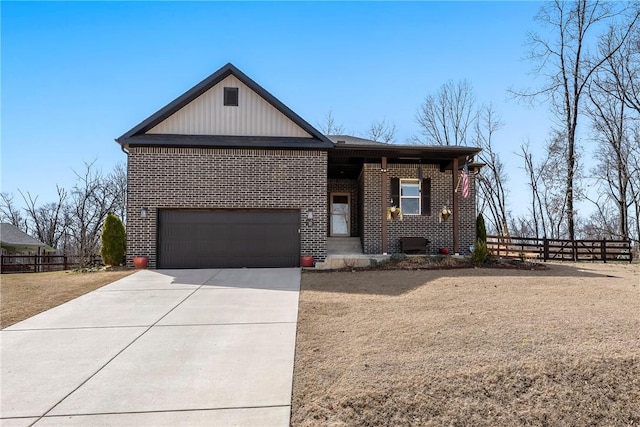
[365, 178]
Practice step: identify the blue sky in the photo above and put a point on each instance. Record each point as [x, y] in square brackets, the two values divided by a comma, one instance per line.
[77, 75]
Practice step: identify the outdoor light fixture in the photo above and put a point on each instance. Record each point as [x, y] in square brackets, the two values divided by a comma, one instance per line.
[309, 217]
[144, 212]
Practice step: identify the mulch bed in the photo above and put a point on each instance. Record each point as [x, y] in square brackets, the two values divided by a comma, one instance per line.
[430, 262]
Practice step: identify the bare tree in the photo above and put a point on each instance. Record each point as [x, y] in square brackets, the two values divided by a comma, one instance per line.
[614, 111]
[624, 65]
[603, 222]
[563, 58]
[119, 179]
[521, 225]
[609, 129]
[446, 117]
[548, 198]
[10, 213]
[92, 198]
[329, 126]
[536, 210]
[381, 131]
[48, 221]
[634, 186]
[72, 224]
[492, 194]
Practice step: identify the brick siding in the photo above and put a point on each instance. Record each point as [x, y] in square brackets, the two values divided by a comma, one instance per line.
[440, 234]
[173, 177]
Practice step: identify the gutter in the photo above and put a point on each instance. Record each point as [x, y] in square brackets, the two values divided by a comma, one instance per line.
[124, 150]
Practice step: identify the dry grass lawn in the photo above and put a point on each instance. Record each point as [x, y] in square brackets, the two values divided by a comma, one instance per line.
[473, 347]
[25, 295]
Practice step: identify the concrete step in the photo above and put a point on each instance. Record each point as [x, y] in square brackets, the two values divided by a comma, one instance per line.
[343, 245]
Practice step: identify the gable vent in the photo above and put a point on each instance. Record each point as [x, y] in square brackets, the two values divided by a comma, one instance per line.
[231, 96]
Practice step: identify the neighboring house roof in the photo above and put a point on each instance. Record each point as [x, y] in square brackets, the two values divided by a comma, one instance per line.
[11, 236]
[154, 130]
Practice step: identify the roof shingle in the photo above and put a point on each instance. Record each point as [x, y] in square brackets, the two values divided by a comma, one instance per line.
[13, 236]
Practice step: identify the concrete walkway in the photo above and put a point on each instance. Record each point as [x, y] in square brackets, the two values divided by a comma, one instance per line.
[158, 348]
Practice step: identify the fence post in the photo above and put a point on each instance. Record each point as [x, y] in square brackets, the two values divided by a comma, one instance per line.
[64, 262]
[603, 250]
[545, 249]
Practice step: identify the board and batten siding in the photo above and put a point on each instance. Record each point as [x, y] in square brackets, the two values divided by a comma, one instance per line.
[206, 115]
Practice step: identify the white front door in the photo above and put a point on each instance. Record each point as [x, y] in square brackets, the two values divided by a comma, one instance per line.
[340, 215]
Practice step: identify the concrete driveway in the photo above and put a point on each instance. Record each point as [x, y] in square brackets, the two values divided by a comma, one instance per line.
[158, 348]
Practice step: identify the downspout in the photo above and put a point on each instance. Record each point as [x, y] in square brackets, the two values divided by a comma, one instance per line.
[383, 204]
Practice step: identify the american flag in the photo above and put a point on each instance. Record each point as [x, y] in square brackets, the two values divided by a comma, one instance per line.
[465, 180]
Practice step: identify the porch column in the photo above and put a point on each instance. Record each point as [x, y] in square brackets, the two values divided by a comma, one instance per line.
[383, 203]
[456, 237]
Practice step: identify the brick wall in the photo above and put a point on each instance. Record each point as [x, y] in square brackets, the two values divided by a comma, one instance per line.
[440, 234]
[371, 215]
[349, 186]
[167, 177]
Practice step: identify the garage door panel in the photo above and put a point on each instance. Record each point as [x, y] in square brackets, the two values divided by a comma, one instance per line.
[228, 238]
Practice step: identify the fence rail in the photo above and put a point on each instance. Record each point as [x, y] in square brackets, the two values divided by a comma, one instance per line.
[41, 263]
[559, 249]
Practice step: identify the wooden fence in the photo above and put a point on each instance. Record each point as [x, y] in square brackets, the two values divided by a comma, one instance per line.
[40, 263]
[559, 249]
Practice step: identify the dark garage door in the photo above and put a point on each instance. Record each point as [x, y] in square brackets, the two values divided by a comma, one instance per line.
[228, 238]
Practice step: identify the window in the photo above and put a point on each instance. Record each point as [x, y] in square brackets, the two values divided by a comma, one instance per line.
[410, 196]
[231, 96]
[412, 189]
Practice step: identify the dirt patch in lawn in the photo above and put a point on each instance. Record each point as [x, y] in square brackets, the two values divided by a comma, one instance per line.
[480, 347]
[25, 295]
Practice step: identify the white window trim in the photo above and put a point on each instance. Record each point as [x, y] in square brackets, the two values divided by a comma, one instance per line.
[418, 197]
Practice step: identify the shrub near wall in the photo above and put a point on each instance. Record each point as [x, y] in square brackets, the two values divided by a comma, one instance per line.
[480, 252]
[114, 241]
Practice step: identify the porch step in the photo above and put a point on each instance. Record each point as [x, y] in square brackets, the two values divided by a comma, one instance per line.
[343, 246]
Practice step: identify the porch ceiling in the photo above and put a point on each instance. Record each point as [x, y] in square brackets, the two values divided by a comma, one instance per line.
[346, 160]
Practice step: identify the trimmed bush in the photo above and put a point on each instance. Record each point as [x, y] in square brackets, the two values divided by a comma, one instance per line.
[399, 257]
[480, 253]
[481, 229]
[114, 241]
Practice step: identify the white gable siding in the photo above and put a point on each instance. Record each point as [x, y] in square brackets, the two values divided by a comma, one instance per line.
[206, 115]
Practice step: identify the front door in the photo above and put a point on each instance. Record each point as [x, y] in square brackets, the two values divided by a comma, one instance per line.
[340, 215]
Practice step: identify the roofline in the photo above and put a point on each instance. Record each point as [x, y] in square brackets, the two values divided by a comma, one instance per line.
[455, 151]
[452, 148]
[207, 84]
[27, 246]
[224, 141]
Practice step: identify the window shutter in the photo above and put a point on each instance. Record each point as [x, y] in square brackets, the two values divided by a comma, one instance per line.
[395, 191]
[426, 196]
